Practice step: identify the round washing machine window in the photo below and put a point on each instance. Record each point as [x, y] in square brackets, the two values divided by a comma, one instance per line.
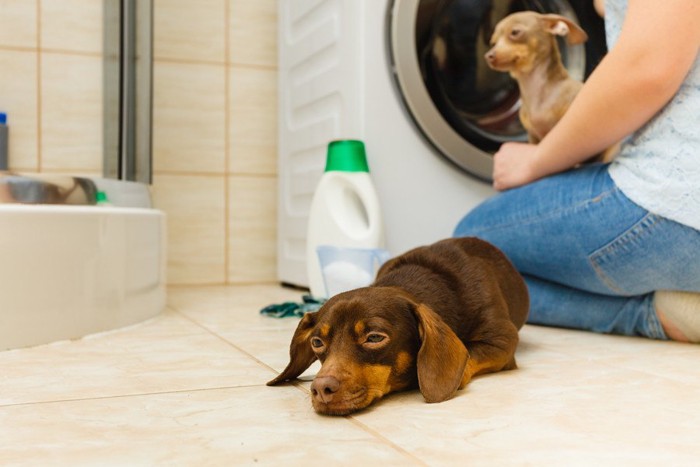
[462, 107]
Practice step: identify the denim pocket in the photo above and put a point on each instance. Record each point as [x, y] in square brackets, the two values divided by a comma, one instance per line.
[653, 254]
[633, 262]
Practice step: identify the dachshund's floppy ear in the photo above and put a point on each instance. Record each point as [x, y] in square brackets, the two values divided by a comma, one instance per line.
[442, 357]
[300, 354]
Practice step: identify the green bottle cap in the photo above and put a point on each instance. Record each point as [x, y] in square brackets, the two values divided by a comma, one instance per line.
[346, 155]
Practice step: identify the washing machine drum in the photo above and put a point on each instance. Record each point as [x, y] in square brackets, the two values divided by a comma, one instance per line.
[462, 107]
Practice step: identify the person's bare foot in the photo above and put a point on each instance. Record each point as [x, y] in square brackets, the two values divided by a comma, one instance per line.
[670, 329]
[679, 314]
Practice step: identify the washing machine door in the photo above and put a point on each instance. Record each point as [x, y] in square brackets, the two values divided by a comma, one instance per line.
[462, 107]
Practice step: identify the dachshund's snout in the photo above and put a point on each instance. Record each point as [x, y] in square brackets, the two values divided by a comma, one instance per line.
[324, 388]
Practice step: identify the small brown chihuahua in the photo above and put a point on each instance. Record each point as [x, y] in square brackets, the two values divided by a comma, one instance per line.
[524, 44]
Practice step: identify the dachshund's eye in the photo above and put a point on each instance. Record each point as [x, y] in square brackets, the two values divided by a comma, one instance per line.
[316, 343]
[375, 338]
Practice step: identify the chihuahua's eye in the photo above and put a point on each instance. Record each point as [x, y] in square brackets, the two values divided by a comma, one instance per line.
[316, 343]
[516, 33]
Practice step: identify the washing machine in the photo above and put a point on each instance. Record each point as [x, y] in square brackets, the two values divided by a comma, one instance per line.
[408, 78]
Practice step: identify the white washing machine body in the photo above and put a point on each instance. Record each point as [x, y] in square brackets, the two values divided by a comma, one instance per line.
[336, 81]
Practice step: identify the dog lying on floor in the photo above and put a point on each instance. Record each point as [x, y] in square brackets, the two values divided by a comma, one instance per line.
[434, 318]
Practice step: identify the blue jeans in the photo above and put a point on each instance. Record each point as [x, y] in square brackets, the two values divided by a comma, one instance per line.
[591, 257]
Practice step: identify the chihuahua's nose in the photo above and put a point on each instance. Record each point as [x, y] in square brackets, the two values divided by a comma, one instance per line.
[324, 387]
[490, 56]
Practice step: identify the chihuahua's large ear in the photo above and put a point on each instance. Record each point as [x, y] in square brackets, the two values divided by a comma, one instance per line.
[561, 26]
[300, 354]
[442, 357]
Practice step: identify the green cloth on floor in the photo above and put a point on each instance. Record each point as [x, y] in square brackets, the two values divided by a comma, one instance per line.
[282, 310]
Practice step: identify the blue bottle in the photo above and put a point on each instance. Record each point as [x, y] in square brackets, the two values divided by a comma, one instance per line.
[4, 136]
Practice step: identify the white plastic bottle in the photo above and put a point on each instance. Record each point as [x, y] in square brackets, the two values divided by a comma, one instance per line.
[345, 208]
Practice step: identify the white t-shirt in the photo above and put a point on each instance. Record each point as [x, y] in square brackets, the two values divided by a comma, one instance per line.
[659, 165]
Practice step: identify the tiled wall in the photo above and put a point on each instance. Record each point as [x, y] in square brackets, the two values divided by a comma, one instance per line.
[214, 135]
[51, 84]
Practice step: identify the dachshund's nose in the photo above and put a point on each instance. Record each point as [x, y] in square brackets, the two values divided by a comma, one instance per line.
[324, 387]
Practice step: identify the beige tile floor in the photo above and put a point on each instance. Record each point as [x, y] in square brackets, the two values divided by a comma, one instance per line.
[187, 388]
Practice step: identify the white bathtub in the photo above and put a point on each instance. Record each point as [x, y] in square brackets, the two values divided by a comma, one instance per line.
[69, 271]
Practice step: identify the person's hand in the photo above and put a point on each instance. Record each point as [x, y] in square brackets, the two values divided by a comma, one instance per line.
[514, 165]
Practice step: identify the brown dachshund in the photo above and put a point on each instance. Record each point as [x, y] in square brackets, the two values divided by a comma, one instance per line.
[435, 317]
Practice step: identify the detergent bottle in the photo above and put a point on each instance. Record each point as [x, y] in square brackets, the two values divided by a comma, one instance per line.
[345, 209]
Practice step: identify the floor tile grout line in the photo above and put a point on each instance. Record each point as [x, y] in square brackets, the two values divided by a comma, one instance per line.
[299, 386]
[296, 384]
[135, 394]
[378, 436]
[172, 309]
[221, 338]
[383, 439]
